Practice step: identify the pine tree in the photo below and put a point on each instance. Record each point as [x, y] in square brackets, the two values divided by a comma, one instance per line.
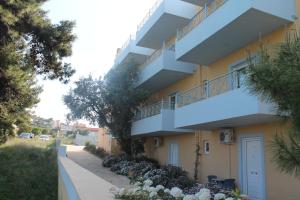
[276, 78]
[30, 45]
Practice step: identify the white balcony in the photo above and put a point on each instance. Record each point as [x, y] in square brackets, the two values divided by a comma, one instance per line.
[130, 53]
[225, 26]
[161, 70]
[156, 119]
[222, 102]
[198, 2]
[162, 22]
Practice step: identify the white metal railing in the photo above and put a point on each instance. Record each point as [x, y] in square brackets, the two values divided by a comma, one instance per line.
[154, 109]
[149, 14]
[206, 11]
[219, 85]
[157, 53]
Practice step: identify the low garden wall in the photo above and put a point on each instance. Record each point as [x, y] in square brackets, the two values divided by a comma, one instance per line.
[77, 183]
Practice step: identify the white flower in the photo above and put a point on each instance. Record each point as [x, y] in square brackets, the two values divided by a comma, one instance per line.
[204, 191]
[160, 187]
[152, 194]
[229, 198]
[148, 182]
[152, 189]
[122, 192]
[219, 196]
[136, 189]
[137, 184]
[189, 197]
[146, 187]
[204, 196]
[167, 191]
[176, 192]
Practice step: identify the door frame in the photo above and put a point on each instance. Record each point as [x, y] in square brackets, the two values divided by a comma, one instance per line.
[178, 153]
[259, 136]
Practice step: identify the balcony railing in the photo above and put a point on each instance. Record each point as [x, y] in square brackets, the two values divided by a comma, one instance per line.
[149, 14]
[156, 54]
[206, 11]
[154, 109]
[217, 86]
[126, 44]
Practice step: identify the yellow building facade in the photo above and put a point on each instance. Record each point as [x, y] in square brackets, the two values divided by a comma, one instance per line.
[205, 102]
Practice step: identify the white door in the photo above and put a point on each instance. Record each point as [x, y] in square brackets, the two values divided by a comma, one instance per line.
[252, 168]
[173, 154]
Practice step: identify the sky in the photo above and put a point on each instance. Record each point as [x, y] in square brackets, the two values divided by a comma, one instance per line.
[102, 26]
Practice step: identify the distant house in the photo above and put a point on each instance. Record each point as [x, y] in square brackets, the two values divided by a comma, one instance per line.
[100, 138]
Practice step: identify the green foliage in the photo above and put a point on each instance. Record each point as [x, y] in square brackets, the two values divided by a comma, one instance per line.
[109, 102]
[30, 45]
[276, 78]
[45, 131]
[28, 170]
[37, 131]
[287, 153]
[98, 151]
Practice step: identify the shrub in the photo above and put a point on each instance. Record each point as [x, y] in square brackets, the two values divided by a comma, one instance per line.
[141, 168]
[173, 171]
[122, 168]
[147, 191]
[100, 152]
[90, 148]
[110, 160]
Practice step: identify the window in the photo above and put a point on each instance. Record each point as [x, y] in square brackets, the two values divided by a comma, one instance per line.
[206, 147]
[172, 100]
[238, 78]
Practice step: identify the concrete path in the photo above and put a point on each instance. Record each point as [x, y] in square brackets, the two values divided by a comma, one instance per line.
[94, 165]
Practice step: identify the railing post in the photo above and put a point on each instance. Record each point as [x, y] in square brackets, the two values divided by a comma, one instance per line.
[205, 10]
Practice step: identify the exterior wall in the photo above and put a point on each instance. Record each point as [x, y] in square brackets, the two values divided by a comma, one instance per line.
[223, 160]
[77, 183]
[186, 150]
[62, 192]
[108, 143]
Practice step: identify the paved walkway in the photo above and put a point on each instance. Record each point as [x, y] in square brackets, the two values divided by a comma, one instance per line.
[94, 165]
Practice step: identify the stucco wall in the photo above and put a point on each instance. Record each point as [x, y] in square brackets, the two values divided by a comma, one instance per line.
[108, 143]
[223, 159]
[62, 192]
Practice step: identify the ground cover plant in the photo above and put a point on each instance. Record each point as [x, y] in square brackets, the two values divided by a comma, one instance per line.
[98, 151]
[28, 170]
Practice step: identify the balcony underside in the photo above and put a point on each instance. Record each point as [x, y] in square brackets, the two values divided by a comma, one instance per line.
[227, 30]
[248, 120]
[231, 109]
[162, 79]
[164, 28]
[134, 58]
[163, 71]
[133, 54]
[164, 22]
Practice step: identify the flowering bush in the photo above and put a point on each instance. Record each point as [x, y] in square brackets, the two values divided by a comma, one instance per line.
[111, 160]
[146, 191]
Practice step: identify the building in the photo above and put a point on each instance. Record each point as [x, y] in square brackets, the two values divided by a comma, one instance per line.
[191, 55]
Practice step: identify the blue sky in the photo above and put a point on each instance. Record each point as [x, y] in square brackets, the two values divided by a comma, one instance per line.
[101, 27]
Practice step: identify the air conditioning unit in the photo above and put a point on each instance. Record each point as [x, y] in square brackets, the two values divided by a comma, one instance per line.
[157, 141]
[227, 136]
